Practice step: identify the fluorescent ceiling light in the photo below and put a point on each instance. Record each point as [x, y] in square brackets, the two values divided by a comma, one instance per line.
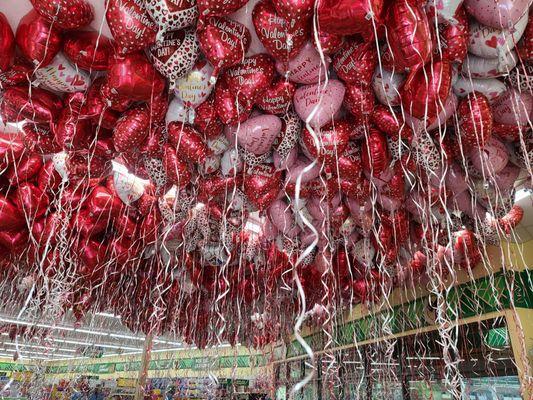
[39, 347]
[106, 346]
[108, 315]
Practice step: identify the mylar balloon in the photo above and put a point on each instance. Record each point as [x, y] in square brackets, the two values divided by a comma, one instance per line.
[131, 129]
[319, 103]
[38, 105]
[306, 67]
[195, 87]
[67, 14]
[37, 39]
[172, 15]
[251, 77]
[497, 14]
[62, 76]
[258, 134]
[130, 25]
[347, 17]
[88, 50]
[475, 120]
[7, 43]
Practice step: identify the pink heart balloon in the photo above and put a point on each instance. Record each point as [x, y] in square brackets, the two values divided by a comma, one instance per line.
[306, 67]
[257, 134]
[282, 218]
[497, 14]
[513, 108]
[492, 158]
[326, 99]
[297, 169]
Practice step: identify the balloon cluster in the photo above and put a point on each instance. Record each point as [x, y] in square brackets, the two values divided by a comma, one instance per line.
[214, 159]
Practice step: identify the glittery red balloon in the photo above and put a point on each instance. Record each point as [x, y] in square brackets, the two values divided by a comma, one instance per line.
[332, 141]
[454, 38]
[355, 62]
[38, 105]
[177, 170]
[213, 8]
[187, 142]
[251, 77]
[277, 99]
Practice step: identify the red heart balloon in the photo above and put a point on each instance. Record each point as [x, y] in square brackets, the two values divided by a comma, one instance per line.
[409, 35]
[359, 100]
[229, 109]
[31, 200]
[92, 255]
[424, 95]
[475, 120]
[67, 14]
[26, 168]
[356, 62]
[37, 39]
[280, 37]
[330, 43]
[10, 217]
[347, 17]
[11, 148]
[125, 225]
[177, 170]
[49, 179]
[89, 225]
[89, 50]
[42, 107]
[277, 99]
[132, 129]
[40, 139]
[350, 164]
[295, 9]
[14, 240]
[391, 123]
[224, 42]
[210, 8]
[80, 163]
[375, 153]
[73, 133]
[525, 47]
[454, 37]
[7, 43]
[187, 142]
[251, 77]
[172, 15]
[103, 203]
[133, 77]
[333, 141]
[262, 185]
[18, 74]
[131, 26]
[175, 53]
[206, 119]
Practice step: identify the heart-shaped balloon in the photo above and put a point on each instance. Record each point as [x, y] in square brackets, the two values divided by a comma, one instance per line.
[409, 35]
[210, 8]
[513, 108]
[187, 142]
[128, 187]
[134, 78]
[375, 153]
[280, 37]
[424, 94]
[171, 15]
[455, 35]
[89, 50]
[347, 17]
[355, 62]
[73, 133]
[103, 202]
[177, 170]
[67, 14]
[490, 159]
[206, 119]
[295, 9]
[306, 67]
[224, 42]
[386, 86]
[262, 184]
[10, 217]
[14, 240]
[475, 120]
[497, 14]
[332, 142]
[525, 47]
[130, 24]
[26, 168]
[258, 134]
[479, 67]
[30, 200]
[359, 101]
[175, 53]
[131, 129]
[196, 86]
[251, 77]
[491, 87]
[329, 43]
[41, 107]
[7, 44]
[62, 76]
[79, 163]
[319, 103]
[277, 99]
[229, 109]
[37, 39]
